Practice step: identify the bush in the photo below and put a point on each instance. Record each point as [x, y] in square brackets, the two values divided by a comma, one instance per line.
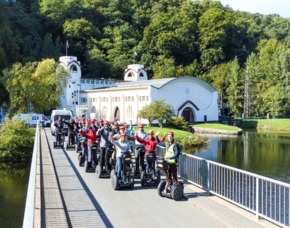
[16, 141]
[178, 123]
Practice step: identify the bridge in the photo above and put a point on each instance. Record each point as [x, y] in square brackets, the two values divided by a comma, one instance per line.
[62, 194]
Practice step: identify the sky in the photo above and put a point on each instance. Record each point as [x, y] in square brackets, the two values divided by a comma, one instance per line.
[281, 7]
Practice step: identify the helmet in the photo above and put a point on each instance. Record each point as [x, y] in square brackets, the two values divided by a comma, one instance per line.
[101, 120]
[106, 122]
[122, 128]
[116, 123]
[140, 125]
[170, 133]
[151, 132]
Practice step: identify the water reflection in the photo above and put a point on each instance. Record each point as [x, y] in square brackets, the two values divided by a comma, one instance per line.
[13, 188]
[264, 153]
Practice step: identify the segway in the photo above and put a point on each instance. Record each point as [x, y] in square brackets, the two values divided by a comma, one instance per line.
[139, 159]
[71, 141]
[166, 189]
[60, 139]
[84, 153]
[146, 178]
[91, 165]
[127, 178]
[101, 170]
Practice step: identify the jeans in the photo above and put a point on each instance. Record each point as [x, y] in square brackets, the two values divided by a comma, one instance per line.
[119, 167]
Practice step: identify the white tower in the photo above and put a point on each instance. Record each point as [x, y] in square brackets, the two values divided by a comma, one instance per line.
[71, 93]
[135, 72]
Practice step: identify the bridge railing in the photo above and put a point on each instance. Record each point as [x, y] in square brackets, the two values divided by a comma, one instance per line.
[28, 220]
[265, 197]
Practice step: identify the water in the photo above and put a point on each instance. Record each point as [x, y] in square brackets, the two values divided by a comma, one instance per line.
[13, 188]
[263, 153]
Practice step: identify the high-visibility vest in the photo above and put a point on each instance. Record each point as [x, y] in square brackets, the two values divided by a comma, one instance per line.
[170, 153]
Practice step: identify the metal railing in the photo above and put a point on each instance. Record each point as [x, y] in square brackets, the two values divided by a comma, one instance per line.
[265, 197]
[28, 220]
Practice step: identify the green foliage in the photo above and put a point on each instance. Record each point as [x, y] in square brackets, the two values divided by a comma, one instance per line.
[178, 123]
[16, 141]
[35, 83]
[172, 38]
[158, 110]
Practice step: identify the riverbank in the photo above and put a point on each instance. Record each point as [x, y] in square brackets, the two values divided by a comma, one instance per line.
[217, 129]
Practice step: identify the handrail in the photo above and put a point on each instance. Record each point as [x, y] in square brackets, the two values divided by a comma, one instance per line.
[263, 196]
[28, 220]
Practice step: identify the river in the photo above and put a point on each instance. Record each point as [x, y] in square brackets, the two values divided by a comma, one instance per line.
[13, 188]
[263, 153]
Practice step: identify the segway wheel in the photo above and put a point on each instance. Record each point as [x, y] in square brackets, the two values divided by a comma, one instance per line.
[87, 166]
[114, 181]
[143, 179]
[177, 191]
[98, 171]
[161, 187]
[81, 160]
[158, 173]
[132, 184]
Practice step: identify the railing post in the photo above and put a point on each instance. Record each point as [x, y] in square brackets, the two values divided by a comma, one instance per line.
[257, 198]
[208, 177]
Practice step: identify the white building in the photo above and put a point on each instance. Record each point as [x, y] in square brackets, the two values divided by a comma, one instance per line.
[189, 96]
[73, 97]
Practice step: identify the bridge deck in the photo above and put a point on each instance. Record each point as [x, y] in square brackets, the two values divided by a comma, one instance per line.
[70, 197]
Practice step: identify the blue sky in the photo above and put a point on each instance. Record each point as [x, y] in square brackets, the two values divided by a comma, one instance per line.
[281, 7]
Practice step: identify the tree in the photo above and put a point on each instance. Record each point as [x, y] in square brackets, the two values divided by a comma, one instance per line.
[158, 110]
[35, 83]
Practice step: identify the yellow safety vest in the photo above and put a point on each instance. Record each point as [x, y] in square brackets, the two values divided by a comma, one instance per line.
[170, 153]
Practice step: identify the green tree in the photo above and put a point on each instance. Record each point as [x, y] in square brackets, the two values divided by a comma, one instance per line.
[35, 83]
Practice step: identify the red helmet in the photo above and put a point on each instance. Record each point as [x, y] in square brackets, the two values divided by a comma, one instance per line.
[106, 122]
[140, 125]
[101, 120]
[170, 133]
[151, 132]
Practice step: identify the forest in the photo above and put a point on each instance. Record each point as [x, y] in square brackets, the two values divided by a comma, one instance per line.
[171, 38]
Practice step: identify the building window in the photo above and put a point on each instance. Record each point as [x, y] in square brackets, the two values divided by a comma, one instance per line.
[130, 75]
[129, 112]
[104, 113]
[73, 68]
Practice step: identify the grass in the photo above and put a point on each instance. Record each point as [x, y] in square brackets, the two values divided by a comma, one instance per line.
[217, 126]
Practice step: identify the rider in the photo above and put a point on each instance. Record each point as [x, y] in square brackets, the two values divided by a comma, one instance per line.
[141, 134]
[58, 128]
[122, 146]
[92, 137]
[150, 146]
[171, 155]
[104, 145]
[71, 131]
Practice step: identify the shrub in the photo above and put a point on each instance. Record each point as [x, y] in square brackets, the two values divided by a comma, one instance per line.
[16, 141]
[178, 123]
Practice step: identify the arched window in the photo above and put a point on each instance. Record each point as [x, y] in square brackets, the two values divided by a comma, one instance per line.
[117, 114]
[130, 75]
[73, 68]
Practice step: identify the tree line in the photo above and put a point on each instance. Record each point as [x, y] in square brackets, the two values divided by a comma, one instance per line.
[171, 38]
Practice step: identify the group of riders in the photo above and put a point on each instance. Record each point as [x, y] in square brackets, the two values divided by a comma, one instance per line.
[108, 134]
